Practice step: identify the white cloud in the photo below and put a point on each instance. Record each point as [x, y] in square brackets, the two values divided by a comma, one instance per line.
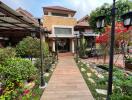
[84, 7]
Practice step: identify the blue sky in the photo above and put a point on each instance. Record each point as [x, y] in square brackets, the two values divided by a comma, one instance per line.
[82, 7]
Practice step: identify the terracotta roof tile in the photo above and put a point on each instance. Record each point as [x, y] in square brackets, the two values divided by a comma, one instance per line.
[59, 8]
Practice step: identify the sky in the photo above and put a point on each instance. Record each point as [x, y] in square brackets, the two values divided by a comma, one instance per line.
[83, 7]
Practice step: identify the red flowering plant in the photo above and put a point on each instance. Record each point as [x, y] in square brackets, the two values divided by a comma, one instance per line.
[121, 34]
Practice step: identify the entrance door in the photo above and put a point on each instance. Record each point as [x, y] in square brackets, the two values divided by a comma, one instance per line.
[63, 45]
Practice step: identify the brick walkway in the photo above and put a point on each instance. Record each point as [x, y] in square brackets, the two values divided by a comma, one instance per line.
[67, 83]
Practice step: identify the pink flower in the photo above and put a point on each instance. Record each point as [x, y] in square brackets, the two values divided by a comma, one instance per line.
[26, 92]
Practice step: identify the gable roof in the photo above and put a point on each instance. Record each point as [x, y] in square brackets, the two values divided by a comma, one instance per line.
[26, 14]
[84, 18]
[83, 22]
[59, 8]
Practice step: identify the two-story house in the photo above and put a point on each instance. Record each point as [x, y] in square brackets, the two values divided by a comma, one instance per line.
[83, 28]
[60, 22]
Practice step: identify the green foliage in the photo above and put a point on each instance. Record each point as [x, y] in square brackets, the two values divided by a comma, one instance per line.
[121, 82]
[129, 59]
[122, 86]
[6, 53]
[31, 47]
[46, 49]
[83, 46]
[105, 10]
[16, 70]
[28, 47]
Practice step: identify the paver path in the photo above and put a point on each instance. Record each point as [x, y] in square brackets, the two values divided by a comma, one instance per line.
[67, 83]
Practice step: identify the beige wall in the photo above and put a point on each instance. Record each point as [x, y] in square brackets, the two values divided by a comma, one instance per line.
[49, 21]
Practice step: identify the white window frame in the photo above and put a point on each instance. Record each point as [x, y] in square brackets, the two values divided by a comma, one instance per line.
[61, 26]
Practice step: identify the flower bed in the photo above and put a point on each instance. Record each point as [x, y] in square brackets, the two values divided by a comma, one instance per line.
[97, 78]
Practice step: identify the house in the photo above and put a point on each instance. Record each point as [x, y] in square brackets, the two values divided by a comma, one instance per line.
[83, 28]
[60, 21]
[26, 15]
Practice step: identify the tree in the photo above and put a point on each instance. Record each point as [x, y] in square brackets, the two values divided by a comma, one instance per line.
[122, 7]
[121, 34]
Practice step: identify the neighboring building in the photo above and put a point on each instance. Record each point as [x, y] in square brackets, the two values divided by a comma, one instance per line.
[26, 15]
[83, 28]
[60, 22]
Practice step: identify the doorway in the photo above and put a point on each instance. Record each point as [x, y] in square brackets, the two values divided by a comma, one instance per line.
[63, 45]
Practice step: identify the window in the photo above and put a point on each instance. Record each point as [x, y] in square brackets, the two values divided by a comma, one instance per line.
[60, 14]
[63, 30]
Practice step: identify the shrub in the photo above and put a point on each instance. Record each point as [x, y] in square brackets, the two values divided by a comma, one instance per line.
[16, 70]
[6, 53]
[122, 86]
[46, 64]
[30, 47]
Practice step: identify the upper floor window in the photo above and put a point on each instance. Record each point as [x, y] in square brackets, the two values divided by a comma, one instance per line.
[63, 30]
[60, 14]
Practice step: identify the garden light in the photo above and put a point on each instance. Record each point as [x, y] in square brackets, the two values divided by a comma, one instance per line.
[100, 22]
[127, 19]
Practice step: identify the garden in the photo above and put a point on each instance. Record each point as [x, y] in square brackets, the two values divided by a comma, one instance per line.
[96, 78]
[94, 64]
[20, 70]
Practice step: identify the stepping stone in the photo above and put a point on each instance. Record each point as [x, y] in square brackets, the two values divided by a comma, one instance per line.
[101, 91]
[88, 65]
[100, 76]
[91, 80]
[82, 69]
[89, 74]
[46, 74]
[52, 69]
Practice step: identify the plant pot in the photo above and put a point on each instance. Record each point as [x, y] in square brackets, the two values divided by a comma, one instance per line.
[128, 65]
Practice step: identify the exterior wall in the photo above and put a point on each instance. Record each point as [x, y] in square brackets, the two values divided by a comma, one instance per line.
[50, 21]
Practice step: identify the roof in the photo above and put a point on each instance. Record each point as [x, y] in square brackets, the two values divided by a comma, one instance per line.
[59, 8]
[11, 21]
[84, 18]
[26, 14]
[83, 22]
[20, 9]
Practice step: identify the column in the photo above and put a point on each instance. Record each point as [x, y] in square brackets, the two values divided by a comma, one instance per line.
[73, 46]
[53, 46]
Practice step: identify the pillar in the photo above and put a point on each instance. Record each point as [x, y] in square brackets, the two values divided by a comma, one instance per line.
[53, 46]
[73, 46]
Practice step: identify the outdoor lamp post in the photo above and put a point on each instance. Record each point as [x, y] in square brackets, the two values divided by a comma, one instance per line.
[127, 19]
[43, 84]
[100, 22]
[56, 43]
[76, 47]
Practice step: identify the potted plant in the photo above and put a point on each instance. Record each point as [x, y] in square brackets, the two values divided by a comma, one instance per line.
[128, 62]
